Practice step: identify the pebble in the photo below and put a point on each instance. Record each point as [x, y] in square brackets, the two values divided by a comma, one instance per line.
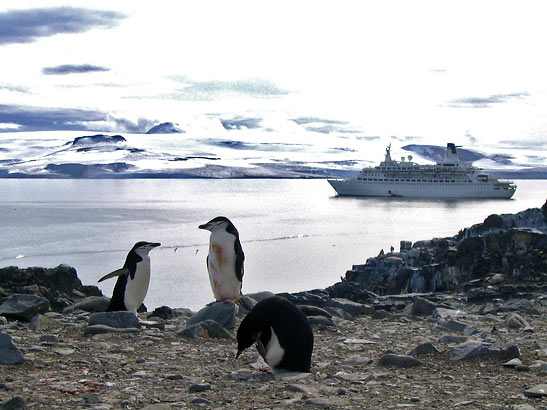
[196, 388]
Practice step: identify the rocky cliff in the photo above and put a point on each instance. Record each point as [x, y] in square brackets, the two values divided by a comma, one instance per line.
[508, 250]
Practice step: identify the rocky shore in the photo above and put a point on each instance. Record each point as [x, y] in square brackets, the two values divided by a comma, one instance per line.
[454, 322]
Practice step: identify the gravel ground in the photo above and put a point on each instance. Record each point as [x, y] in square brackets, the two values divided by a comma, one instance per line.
[156, 369]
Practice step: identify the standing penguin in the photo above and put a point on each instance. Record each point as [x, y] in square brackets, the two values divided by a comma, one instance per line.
[225, 259]
[133, 279]
[282, 332]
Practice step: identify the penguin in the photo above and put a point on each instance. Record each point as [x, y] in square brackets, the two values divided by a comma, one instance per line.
[225, 259]
[282, 332]
[133, 279]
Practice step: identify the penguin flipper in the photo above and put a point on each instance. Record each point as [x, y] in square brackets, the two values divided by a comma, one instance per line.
[117, 272]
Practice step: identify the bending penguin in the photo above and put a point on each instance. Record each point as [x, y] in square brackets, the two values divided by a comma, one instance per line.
[225, 259]
[282, 332]
[133, 279]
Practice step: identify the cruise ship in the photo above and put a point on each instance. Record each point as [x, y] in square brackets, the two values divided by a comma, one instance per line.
[451, 178]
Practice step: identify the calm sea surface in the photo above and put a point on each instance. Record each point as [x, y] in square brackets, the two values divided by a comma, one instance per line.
[296, 234]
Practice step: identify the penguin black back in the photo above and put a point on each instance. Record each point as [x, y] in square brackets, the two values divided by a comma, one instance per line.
[291, 327]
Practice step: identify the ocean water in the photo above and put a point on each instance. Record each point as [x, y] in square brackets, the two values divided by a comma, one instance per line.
[296, 234]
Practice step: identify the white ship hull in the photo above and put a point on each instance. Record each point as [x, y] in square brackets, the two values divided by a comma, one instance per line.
[354, 187]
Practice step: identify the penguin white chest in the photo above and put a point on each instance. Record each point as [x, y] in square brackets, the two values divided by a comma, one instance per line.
[221, 266]
[274, 351]
[136, 288]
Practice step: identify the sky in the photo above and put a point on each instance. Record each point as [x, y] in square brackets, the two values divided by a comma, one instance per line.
[471, 72]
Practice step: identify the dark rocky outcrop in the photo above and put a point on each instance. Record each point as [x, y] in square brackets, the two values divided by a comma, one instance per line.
[506, 251]
[60, 286]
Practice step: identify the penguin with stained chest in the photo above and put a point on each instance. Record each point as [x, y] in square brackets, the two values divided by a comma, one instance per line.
[282, 332]
[225, 259]
[133, 279]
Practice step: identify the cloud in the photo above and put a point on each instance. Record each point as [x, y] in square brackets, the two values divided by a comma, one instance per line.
[72, 69]
[30, 118]
[323, 126]
[240, 122]
[14, 88]
[26, 26]
[209, 90]
[483, 102]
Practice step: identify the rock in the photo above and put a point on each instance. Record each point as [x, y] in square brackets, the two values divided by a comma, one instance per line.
[353, 308]
[443, 313]
[516, 321]
[453, 326]
[89, 304]
[17, 403]
[196, 388]
[510, 351]
[473, 349]
[99, 329]
[453, 339]
[23, 307]
[424, 348]
[512, 363]
[118, 320]
[381, 314]
[9, 353]
[395, 360]
[320, 321]
[221, 312]
[41, 322]
[260, 296]
[537, 391]
[422, 307]
[207, 328]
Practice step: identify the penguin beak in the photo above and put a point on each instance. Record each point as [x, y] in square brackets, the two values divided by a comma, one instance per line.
[239, 351]
[204, 226]
[154, 245]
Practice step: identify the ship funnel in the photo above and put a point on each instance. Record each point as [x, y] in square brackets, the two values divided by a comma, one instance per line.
[451, 154]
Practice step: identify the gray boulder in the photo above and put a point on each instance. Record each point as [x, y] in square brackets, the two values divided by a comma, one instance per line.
[422, 307]
[118, 320]
[23, 307]
[89, 304]
[9, 353]
[353, 308]
[221, 312]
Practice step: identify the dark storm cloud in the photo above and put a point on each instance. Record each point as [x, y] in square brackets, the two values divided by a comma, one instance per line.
[482, 102]
[209, 90]
[26, 26]
[72, 69]
[29, 118]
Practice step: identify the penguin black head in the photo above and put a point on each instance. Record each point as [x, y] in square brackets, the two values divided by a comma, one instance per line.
[144, 247]
[220, 222]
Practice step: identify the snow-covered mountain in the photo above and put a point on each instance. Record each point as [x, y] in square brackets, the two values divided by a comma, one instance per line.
[232, 152]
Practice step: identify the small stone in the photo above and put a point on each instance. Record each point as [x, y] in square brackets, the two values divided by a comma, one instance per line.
[118, 320]
[391, 359]
[174, 377]
[17, 403]
[522, 368]
[9, 353]
[512, 363]
[92, 399]
[424, 348]
[537, 391]
[42, 322]
[196, 388]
